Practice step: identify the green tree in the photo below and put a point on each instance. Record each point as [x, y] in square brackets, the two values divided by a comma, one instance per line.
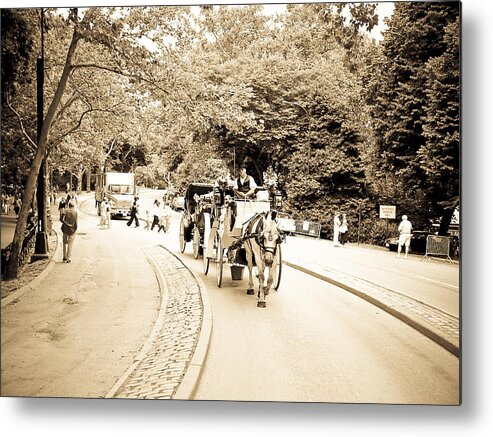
[20, 30]
[119, 32]
[399, 96]
[439, 156]
[302, 97]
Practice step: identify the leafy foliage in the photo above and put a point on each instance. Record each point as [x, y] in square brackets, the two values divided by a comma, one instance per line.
[19, 50]
[415, 101]
[179, 94]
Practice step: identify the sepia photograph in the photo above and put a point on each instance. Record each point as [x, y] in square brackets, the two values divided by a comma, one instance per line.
[232, 202]
[255, 202]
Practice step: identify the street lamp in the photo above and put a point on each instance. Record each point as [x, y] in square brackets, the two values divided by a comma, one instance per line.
[308, 115]
[41, 247]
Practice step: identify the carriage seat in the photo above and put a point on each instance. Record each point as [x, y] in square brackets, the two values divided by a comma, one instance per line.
[245, 210]
[262, 195]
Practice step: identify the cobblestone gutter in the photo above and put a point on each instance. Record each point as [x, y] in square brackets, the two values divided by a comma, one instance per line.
[162, 364]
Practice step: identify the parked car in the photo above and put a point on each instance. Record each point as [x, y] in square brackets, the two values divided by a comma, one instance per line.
[418, 242]
[178, 203]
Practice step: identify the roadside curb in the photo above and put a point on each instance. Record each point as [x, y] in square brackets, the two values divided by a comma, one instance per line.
[146, 347]
[420, 327]
[190, 382]
[34, 283]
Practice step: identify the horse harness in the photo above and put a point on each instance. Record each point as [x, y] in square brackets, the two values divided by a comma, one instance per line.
[251, 231]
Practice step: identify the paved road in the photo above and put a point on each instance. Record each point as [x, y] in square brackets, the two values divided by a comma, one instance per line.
[435, 283]
[318, 343]
[8, 229]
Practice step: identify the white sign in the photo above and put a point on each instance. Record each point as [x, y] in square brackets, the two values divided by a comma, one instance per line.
[387, 211]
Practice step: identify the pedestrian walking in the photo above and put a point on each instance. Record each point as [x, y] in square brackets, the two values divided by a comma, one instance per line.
[164, 218]
[63, 206]
[148, 221]
[8, 203]
[105, 209]
[5, 204]
[156, 211]
[405, 231]
[344, 231]
[134, 211]
[69, 228]
[17, 205]
[337, 225]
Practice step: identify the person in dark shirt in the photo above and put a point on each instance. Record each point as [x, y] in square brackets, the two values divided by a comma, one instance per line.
[244, 185]
[69, 227]
[134, 211]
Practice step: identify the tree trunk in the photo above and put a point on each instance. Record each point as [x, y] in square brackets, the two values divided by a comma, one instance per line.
[88, 179]
[12, 269]
[79, 176]
[445, 222]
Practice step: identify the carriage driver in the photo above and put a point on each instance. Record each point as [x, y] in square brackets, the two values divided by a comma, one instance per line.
[244, 185]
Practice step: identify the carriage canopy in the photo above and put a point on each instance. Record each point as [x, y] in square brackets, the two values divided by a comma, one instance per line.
[192, 190]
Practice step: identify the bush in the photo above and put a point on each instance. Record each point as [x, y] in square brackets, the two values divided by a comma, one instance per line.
[376, 231]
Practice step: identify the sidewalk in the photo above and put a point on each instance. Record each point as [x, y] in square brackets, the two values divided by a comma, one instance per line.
[31, 273]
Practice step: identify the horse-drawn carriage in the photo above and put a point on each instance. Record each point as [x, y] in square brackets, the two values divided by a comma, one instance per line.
[244, 233]
[192, 221]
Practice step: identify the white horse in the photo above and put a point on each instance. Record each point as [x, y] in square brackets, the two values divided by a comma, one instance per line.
[261, 240]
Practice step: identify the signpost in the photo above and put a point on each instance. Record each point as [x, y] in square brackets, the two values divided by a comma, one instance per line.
[387, 212]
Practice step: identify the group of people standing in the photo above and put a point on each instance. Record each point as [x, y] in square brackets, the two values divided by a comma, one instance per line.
[341, 230]
[341, 233]
[9, 202]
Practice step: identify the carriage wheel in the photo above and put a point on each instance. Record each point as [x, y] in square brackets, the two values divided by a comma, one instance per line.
[182, 234]
[277, 279]
[206, 263]
[196, 242]
[219, 262]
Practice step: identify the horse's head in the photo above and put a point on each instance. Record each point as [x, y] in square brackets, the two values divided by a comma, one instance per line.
[270, 237]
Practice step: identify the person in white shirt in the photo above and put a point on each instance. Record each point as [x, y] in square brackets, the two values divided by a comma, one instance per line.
[164, 219]
[105, 210]
[337, 226]
[405, 230]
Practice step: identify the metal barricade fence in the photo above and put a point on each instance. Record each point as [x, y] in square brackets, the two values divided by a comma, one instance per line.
[310, 229]
[437, 245]
[300, 227]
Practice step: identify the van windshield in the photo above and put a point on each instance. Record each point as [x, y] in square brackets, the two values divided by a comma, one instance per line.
[121, 189]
